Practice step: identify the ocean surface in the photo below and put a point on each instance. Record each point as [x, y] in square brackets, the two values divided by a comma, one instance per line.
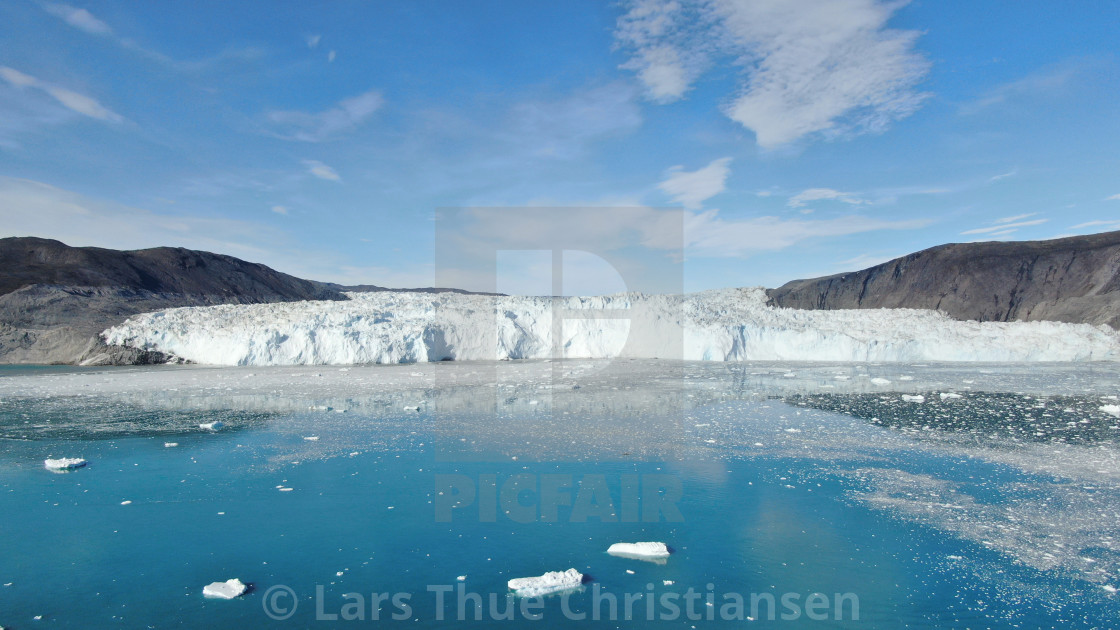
[815, 494]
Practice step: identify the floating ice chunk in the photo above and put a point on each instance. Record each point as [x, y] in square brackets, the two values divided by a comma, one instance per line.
[312, 438]
[284, 489]
[411, 407]
[640, 550]
[906, 377]
[880, 381]
[225, 590]
[914, 399]
[949, 396]
[212, 426]
[551, 582]
[667, 582]
[170, 444]
[1112, 410]
[126, 502]
[1109, 588]
[630, 571]
[64, 463]
[462, 578]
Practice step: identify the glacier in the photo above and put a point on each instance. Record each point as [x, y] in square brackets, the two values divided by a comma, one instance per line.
[718, 325]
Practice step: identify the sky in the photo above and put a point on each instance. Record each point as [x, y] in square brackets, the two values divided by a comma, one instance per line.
[717, 143]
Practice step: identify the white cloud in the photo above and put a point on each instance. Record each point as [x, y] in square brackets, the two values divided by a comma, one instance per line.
[347, 115]
[563, 128]
[1049, 80]
[809, 67]
[313, 41]
[1115, 197]
[78, 18]
[331, 56]
[1005, 228]
[1089, 224]
[863, 261]
[692, 188]
[709, 235]
[322, 171]
[280, 210]
[823, 194]
[1018, 217]
[30, 208]
[69, 99]
[665, 68]
[995, 178]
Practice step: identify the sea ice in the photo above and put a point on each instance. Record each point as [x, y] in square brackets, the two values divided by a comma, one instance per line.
[64, 463]
[212, 426]
[1112, 410]
[649, 551]
[914, 399]
[225, 590]
[949, 396]
[551, 582]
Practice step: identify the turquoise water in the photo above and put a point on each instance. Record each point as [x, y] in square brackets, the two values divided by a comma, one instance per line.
[926, 527]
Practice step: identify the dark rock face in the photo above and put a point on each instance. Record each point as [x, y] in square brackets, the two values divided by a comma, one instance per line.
[55, 300]
[1074, 279]
[166, 270]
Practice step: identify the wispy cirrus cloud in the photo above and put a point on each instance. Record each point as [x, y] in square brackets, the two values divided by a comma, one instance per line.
[322, 171]
[1006, 226]
[692, 188]
[78, 18]
[809, 195]
[74, 101]
[1048, 80]
[346, 116]
[808, 67]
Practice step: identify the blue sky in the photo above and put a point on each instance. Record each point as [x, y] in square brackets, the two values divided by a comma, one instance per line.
[795, 138]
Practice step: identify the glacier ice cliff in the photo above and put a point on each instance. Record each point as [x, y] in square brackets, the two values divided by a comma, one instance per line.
[720, 325]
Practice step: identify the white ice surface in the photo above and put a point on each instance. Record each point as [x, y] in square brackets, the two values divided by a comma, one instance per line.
[225, 590]
[639, 550]
[551, 582]
[64, 463]
[722, 325]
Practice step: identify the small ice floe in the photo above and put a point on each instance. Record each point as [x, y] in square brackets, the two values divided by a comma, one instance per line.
[551, 582]
[462, 578]
[284, 489]
[918, 398]
[648, 551]
[1108, 588]
[411, 407]
[1112, 410]
[667, 582]
[793, 430]
[948, 396]
[212, 426]
[312, 438]
[170, 444]
[880, 381]
[225, 590]
[630, 571]
[64, 463]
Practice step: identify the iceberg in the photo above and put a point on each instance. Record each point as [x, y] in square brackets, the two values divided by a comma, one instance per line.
[1112, 410]
[551, 582]
[64, 463]
[225, 590]
[918, 398]
[720, 325]
[649, 551]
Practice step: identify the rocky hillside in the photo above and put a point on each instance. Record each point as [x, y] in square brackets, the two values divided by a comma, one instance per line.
[56, 299]
[1075, 279]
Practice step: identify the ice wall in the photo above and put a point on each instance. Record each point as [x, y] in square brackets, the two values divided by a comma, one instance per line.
[723, 325]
